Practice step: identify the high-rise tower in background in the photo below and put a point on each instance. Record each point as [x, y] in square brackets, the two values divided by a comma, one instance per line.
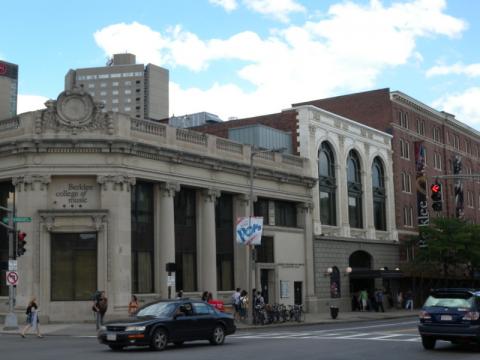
[124, 86]
[8, 89]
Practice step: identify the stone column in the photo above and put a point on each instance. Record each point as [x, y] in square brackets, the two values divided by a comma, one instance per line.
[164, 234]
[207, 258]
[116, 197]
[31, 195]
[306, 220]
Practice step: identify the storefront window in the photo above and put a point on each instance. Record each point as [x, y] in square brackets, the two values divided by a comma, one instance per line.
[73, 266]
[224, 237]
[379, 196]
[185, 240]
[142, 238]
[285, 213]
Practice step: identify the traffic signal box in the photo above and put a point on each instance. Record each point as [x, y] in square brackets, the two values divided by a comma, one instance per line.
[21, 242]
[436, 190]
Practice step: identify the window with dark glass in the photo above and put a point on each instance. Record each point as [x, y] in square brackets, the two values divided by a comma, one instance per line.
[354, 183]
[224, 238]
[73, 266]
[327, 185]
[285, 213]
[185, 240]
[379, 195]
[7, 195]
[142, 238]
[260, 208]
[265, 250]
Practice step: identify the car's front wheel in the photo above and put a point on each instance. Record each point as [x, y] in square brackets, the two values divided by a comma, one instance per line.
[159, 340]
[218, 335]
[428, 342]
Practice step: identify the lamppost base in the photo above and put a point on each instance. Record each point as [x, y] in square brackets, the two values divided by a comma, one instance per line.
[11, 322]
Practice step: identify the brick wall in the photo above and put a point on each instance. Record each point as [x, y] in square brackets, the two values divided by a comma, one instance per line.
[285, 121]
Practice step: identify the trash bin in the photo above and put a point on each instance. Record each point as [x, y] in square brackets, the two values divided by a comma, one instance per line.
[334, 311]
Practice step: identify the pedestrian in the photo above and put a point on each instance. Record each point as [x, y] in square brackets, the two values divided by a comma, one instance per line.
[100, 305]
[205, 296]
[236, 303]
[409, 300]
[243, 305]
[400, 300]
[180, 294]
[363, 297]
[133, 306]
[32, 318]
[379, 300]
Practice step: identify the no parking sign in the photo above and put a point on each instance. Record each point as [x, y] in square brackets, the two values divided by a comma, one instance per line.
[12, 278]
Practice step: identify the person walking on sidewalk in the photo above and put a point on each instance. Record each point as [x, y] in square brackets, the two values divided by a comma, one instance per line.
[32, 318]
[379, 300]
[133, 306]
[100, 305]
[363, 297]
[409, 300]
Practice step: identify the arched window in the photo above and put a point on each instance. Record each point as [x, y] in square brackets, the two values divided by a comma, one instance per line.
[378, 187]
[354, 183]
[327, 184]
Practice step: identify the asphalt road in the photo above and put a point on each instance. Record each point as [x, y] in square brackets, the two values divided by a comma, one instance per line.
[394, 339]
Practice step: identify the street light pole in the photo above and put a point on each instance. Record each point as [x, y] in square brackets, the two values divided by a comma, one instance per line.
[252, 252]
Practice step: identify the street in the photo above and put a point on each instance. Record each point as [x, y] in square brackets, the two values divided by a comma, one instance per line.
[393, 339]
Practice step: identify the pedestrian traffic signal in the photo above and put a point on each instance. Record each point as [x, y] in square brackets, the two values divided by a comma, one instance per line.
[436, 196]
[21, 242]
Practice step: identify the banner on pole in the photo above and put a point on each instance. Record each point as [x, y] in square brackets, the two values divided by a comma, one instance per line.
[249, 230]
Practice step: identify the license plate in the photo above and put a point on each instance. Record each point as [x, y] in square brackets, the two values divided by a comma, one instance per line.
[111, 337]
[446, 317]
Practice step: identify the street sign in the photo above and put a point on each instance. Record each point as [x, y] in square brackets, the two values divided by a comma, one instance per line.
[17, 219]
[22, 219]
[12, 278]
[12, 265]
[171, 280]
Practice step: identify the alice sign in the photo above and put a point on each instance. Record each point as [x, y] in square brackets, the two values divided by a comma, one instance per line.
[249, 230]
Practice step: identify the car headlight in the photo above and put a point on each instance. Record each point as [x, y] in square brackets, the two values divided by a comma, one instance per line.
[103, 328]
[135, 328]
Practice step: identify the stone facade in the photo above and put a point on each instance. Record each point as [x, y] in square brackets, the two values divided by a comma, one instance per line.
[74, 168]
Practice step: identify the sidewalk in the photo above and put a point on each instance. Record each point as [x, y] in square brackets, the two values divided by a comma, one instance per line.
[88, 329]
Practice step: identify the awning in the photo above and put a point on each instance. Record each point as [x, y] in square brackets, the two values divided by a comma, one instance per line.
[375, 274]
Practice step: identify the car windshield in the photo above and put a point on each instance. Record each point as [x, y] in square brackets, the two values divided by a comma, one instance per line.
[450, 301]
[158, 309]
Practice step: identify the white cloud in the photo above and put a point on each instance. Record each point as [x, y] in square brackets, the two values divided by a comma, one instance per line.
[344, 51]
[26, 103]
[472, 70]
[278, 9]
[464, 105]
[228, 5]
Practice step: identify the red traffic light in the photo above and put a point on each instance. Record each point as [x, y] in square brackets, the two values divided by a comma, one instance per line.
[435, 188]
[21, 236]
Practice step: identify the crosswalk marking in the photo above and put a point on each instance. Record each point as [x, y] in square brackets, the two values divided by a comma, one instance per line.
[325, 334]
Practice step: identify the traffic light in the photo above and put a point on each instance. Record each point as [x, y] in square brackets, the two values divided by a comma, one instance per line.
[436, 196]
[21, 243]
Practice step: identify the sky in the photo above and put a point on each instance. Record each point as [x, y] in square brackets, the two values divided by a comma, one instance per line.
[239, 58]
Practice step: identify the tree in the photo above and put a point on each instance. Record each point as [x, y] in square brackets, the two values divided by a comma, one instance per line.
[453, 248]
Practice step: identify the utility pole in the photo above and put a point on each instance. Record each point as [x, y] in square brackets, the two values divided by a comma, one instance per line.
[11, 322]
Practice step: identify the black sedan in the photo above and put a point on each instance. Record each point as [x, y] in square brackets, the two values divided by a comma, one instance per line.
[168, 321]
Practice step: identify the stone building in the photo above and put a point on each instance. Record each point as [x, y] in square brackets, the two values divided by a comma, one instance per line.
[114, 198]
[355, 242]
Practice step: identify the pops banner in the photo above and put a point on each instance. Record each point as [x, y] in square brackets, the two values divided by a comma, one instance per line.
[249, 230]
